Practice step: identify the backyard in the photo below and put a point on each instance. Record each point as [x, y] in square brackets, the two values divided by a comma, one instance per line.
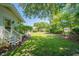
[45, 29]
[41, 44]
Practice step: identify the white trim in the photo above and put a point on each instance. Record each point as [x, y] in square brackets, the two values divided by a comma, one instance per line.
[13, 10]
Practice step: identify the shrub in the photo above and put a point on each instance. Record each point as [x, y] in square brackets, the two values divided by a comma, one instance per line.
[74, 35]
[56, 31]
[76, 30]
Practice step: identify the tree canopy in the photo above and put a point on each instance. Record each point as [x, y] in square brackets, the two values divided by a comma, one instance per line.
[41, 25]
[60, 15]
[42, 10]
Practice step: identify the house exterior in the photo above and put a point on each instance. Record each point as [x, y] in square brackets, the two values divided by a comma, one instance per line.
[9, 18]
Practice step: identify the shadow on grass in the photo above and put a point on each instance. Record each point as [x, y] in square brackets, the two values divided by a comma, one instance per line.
[46, 46]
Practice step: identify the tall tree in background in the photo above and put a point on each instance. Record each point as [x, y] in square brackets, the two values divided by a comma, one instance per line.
[60, 15]
[41, 26]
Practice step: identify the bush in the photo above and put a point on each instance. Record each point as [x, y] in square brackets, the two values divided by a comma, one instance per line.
[76, 30]
[56, 31]
[35, 30]
[74, 35]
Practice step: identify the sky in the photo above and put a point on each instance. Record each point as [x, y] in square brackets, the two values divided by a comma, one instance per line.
[28, 21]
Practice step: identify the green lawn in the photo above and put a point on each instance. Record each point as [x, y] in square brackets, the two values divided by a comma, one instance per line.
[46, 45]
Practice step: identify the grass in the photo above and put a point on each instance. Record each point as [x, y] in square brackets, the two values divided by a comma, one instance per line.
[41, 44]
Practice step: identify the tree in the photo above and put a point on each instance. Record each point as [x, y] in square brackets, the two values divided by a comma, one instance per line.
[60, 15]
[42, 10]
[23, 28]
[41, 26]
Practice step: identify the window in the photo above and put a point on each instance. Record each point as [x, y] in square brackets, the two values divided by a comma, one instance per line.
[7, 24]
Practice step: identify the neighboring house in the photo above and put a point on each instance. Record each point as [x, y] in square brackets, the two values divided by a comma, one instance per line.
[9, 18]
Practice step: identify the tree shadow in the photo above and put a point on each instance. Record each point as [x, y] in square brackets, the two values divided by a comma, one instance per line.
[47, 46]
